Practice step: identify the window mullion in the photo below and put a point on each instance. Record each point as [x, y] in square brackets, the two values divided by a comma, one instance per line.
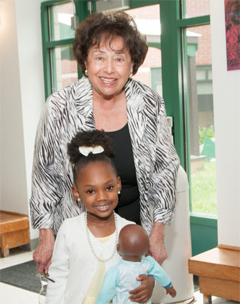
[194, 21]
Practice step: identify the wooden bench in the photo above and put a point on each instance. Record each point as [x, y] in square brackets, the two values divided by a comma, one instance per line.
[14, 230]
[218, 271]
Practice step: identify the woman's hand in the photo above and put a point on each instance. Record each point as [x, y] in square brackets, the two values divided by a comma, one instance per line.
[43, 253]
[157, 249]
[142, 293]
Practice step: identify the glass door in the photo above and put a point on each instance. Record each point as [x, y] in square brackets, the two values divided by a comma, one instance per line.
[199, 119]
[147, 19]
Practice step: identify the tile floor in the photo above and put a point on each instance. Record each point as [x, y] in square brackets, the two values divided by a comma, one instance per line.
[13, 295]
[10, 294]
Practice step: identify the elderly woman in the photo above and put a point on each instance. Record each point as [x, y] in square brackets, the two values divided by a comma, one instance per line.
[109, 49]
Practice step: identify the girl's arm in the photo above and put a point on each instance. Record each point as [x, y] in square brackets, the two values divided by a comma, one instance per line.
[144, 292]
[59, 269]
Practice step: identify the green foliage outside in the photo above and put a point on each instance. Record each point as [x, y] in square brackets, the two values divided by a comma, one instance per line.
[205, 132]
[203, 186]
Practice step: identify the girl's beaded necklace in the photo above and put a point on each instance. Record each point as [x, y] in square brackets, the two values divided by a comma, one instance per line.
[91, 245]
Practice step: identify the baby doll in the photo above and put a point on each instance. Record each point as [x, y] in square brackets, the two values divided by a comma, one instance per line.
[133, 244]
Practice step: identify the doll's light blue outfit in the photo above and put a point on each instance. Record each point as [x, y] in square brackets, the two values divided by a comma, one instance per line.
[121, 279]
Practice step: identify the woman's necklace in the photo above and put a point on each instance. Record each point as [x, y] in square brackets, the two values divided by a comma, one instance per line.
[91, 245]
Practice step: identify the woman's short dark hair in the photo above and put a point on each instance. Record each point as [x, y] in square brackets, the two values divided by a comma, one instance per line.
[107, 26]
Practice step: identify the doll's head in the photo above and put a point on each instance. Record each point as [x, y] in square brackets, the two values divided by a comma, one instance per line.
[133, 241]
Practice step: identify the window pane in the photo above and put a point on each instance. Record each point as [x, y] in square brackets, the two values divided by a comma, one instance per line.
[156, 79]
[147, 19]
[63, 67]
[60, 21]
[201, 119]
[196, 8]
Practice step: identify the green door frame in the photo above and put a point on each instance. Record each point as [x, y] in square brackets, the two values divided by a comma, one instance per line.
[174, 81]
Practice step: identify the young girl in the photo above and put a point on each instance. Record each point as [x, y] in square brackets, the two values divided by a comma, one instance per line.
[86, 245]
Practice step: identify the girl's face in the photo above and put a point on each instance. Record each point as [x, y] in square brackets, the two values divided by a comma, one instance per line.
[97, 187]
[109, 67]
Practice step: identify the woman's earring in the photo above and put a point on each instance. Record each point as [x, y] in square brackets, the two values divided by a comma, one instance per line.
[119, 191]
[86, 72]
[78, 200]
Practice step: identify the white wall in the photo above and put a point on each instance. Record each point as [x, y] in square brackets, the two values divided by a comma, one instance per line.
[22, 97]
[13, 172]
[226, 93]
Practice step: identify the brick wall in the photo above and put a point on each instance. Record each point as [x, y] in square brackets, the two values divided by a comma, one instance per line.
[197, 8]
[203, 54]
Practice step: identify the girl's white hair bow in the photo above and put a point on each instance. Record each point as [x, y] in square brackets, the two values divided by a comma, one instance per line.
[94, 150]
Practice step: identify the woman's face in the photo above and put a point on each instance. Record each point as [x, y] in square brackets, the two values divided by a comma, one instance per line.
[109, 67]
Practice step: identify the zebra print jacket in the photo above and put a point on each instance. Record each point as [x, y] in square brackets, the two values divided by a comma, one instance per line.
[69, 111]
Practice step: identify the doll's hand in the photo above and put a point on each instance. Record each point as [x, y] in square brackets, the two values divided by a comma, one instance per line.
[171, 290]
[143, 292]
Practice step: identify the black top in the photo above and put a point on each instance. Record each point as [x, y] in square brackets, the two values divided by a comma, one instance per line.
[128, 206]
